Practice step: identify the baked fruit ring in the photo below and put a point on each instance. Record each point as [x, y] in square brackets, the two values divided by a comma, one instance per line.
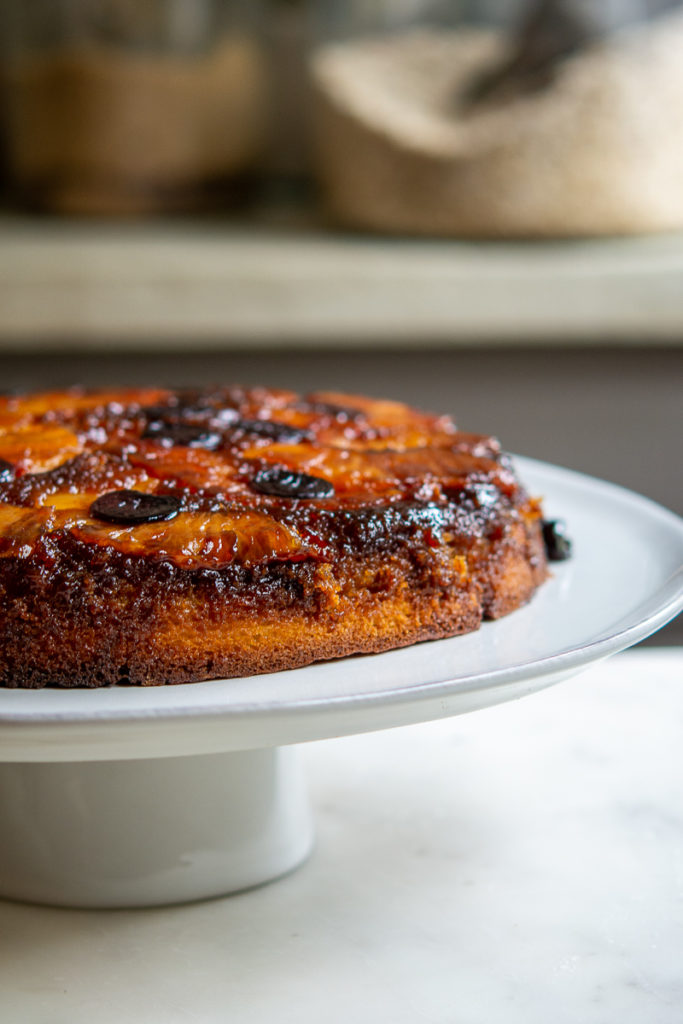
[155, 536]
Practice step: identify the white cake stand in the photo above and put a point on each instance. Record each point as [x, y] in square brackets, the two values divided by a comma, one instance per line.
[133, 797]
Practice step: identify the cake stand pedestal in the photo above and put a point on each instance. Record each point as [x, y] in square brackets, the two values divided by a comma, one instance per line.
[138, 833]
[128, 796]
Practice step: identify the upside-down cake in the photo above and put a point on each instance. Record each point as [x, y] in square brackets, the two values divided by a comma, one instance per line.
[155, 536]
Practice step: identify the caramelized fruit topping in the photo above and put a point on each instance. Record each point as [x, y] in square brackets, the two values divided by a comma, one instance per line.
[247, 476]
[33, 448]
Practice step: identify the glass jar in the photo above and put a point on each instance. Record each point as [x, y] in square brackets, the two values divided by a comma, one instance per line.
[487, 118]
[118, 106]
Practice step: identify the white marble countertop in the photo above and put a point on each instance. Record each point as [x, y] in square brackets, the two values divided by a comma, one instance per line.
[520, 865]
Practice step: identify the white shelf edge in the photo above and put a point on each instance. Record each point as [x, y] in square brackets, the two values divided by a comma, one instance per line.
[177, 283]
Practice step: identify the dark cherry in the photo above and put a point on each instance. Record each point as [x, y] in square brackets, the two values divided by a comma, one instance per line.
[132, 507]
[341, 413]
[287, 483]
[196, 398]
[153, 413]
[476, 495]
[176, 412]
[187, 435]
[558, 546]
[483, 495]
[6, 470]
[272, 430]
[223, 416]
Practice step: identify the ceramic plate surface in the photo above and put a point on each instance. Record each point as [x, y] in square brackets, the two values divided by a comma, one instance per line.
[624, 582]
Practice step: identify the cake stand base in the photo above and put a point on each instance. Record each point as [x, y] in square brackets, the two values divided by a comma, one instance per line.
[141, 833]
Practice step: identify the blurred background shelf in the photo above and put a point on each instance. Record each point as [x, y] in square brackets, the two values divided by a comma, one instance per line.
[94, 285]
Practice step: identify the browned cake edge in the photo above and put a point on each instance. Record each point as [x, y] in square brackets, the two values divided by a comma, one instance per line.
[108, 630]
